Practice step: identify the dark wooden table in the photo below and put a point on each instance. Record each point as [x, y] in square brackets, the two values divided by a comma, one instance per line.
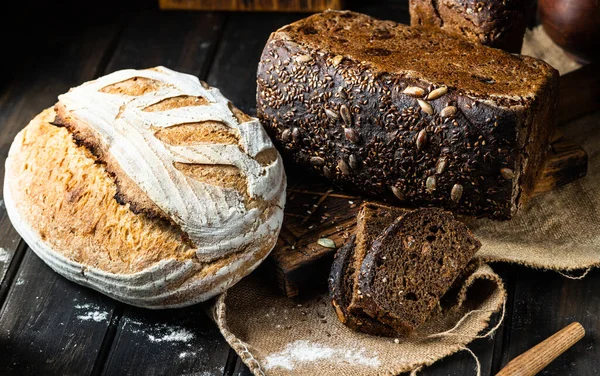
[50, 326]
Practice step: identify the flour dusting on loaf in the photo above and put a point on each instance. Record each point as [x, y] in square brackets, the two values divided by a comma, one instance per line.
[214, 217]
[147, 185]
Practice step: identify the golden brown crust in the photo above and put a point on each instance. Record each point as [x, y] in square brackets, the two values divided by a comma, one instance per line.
[127, 191]
[70, 201]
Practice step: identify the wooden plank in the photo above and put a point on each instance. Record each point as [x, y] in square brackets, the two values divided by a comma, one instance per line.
[545, 302]
[37, 85]
[233, 70]
[49, 325]
[181, 41]
[174, 342]
[253, 5]
[240, 369]
[567, 163]
[178, 341]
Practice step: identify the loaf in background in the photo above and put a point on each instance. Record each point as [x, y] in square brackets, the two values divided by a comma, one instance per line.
[499, 24]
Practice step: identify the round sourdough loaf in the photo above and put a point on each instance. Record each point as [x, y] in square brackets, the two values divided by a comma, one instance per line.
[148, 186]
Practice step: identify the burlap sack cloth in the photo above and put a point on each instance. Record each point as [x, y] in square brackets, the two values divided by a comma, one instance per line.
[560, 230]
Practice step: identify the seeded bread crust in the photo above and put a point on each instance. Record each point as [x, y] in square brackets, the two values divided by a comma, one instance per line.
[407, 114]
[499, 24]
[409, 268]
[341, 288]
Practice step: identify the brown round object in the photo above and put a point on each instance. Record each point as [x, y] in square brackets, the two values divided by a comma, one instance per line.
[574, 26]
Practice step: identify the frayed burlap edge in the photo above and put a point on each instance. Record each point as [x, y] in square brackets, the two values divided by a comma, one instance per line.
[476, 319]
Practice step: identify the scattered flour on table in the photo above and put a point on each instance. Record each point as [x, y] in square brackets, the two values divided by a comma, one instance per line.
[92, 313]
[174, 335]
[161, 332]
[303, 351]
[186, 354]
[4, 255]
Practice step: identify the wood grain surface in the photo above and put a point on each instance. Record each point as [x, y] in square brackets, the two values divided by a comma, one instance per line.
[51, 326]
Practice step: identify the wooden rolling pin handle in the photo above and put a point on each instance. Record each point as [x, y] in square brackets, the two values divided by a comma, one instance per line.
[535, 359]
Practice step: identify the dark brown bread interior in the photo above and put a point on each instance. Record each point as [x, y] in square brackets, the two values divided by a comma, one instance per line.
[412, 265]
[340, 289]
[407, 114]
[373, 219]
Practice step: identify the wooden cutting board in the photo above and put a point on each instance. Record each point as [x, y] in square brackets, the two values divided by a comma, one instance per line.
[316, 210]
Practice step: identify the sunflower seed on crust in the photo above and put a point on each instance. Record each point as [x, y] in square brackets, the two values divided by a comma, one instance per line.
[436, 93]
[337, 60]
[345, 114]
[303, 58]
[414, 91]
[507, 173]
[398, 193]
[448, 111]
[456, 192]
[430, 184]
[426, 107]
[421, 139]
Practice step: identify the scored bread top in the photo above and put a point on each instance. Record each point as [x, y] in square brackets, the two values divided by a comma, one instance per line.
[421, 54]
[209, 168]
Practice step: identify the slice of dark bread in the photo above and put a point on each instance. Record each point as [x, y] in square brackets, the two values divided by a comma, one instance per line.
[372, 220]
[340, 289]
[411, 266]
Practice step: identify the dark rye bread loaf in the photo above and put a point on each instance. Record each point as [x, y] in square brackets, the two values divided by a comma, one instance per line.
[499, 24]
[406, 114]
[412, 265]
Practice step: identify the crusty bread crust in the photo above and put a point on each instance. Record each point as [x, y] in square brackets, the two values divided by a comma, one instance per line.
[148, 186]
[406, 114]
[69, 200]
[63, 204]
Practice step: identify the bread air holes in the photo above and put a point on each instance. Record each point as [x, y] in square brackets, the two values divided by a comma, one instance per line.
[134, 86]
[308, 30]
[177, 102]
[205, 132]
[411, 296]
